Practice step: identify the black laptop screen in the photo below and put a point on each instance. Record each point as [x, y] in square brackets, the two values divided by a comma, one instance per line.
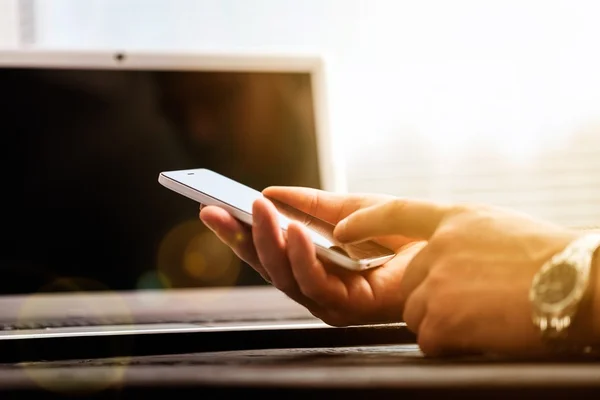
[81, 153]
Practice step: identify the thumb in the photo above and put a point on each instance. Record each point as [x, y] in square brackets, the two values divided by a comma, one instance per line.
[411, 218]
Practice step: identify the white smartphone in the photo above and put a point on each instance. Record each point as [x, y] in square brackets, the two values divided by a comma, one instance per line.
[210, 188]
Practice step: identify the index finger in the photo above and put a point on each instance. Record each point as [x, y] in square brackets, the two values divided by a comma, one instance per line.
[327, 206]
[416, 219]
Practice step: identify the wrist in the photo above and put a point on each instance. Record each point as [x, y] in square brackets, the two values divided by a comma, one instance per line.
[587, 326]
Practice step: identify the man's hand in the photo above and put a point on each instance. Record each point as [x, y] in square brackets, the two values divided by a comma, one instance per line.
[337, 296]
[467, 289]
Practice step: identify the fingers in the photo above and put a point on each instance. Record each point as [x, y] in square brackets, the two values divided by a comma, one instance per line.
[311, 276]
[413, 289]
[330, 207]
[234, 234]
[270, 244]
[415, 309]
[272, 249]
[411, 218]
[416, 271]
[264, 247]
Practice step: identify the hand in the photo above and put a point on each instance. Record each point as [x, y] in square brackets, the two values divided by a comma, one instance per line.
[467, 289]
[339, 297]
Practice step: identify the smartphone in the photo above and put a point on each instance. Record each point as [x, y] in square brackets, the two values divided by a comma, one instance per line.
[210, 188]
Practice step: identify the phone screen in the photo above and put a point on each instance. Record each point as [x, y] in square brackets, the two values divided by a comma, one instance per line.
[241, 197]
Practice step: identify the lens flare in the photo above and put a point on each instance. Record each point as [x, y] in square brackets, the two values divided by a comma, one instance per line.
[153, 280]
[100, 306]
[190, 255]
[240, 237]
[195, 264]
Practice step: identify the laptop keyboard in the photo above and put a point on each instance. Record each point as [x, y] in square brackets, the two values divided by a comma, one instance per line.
[190, 319]
[333, 357]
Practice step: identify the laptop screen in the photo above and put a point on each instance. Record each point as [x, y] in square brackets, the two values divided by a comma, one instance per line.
[82, 150]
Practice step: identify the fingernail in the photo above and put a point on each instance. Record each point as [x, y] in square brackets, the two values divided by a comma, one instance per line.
[207, 224]
[266, 277]
[211, 228]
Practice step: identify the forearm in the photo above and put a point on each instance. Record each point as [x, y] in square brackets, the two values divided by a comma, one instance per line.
[591, 312]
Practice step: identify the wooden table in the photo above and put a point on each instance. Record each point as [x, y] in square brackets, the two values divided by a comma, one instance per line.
[352, 372]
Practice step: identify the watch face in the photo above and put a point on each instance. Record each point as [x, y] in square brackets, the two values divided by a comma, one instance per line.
[556, 283]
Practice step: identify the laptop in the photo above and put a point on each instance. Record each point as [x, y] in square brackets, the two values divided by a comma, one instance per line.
[96, 250]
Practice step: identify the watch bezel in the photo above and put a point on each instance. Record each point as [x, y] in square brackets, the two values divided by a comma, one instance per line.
[560, 308]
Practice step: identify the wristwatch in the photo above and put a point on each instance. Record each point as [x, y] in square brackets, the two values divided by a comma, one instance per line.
[558, 289]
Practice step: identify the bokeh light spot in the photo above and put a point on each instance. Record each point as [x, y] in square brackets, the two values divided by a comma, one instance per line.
[240, 237]
[195, 264]
[191, 255]
[99, 304]
[153, 280]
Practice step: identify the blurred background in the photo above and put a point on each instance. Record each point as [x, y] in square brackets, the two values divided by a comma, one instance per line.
[495, 101]
[487, 101]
